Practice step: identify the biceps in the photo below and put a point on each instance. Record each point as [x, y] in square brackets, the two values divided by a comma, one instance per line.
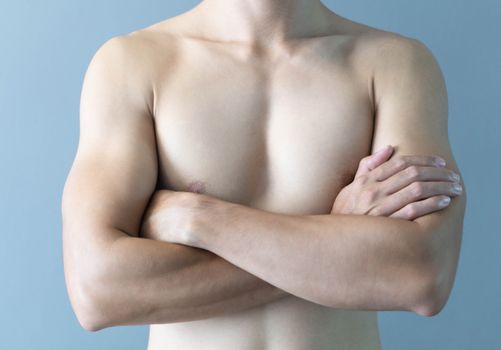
[108, 189]
[411, 101]
[115, 169]
[412, 115]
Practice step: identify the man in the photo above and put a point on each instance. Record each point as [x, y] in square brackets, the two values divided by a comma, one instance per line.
[227, 190]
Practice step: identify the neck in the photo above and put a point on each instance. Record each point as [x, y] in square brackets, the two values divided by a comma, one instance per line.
[263, 22]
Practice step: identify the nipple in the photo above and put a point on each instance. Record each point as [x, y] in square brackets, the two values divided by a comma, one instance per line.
[196, 186]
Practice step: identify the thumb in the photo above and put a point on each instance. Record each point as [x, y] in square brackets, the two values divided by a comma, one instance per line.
[374, 160]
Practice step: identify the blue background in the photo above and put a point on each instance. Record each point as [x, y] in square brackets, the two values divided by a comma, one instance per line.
[45, 49]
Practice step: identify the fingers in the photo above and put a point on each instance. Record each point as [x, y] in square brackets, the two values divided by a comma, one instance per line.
[372, 161]
[415, 173]
[415, 192]
[406, 186]
[400, 163]
[420, 208]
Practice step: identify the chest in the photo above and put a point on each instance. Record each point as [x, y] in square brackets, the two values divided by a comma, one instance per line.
[283, 139]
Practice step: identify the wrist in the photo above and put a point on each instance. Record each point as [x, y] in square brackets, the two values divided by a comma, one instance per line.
[207, 221]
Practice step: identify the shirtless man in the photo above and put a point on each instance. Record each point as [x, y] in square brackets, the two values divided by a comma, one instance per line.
[226, 189]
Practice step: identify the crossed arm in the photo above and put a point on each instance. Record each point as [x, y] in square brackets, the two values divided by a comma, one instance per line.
[117, 278]
[340, 261]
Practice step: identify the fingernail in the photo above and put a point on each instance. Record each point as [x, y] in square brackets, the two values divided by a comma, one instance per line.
[444, 201]
[457, 188]
[440, 161]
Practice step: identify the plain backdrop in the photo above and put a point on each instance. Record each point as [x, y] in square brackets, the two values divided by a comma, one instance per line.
[45, 49]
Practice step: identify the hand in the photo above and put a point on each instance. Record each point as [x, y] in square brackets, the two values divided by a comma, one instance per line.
[404, 187]
[167, 216]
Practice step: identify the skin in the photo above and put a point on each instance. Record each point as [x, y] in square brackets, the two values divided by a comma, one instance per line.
[207, 171]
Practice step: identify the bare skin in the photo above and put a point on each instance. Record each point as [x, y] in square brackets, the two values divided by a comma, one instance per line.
[266, 123]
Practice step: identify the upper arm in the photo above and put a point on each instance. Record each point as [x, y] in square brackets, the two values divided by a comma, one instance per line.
[411, 114]
[411, 106]
[114, 171]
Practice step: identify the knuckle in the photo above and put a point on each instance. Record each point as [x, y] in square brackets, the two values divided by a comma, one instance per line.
[413, 172]
[400, 163]
[362, 179]
[416, 189]
[410, 211]
[363, 160]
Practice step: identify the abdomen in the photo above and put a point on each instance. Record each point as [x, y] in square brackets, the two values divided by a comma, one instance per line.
[287, 324]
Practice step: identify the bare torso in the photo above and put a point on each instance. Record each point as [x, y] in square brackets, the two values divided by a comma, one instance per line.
[281, 132]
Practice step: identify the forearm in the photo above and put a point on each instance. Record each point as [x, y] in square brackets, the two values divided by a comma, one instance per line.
[342, 261]
[143, 281]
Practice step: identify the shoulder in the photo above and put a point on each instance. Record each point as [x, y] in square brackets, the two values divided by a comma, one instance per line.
[407, 64]
[132, 64]
[386, 60]
[380, 49]
[398, 52]
[374, 50]
[140, 53]
[390, 54]
[373, 41]
[391, 60]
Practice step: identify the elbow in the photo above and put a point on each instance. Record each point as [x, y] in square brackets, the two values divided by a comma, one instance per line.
[437, 272]
[91, 291]
[89, 324]
[89, 314]
[88, 307]
[431, 305]
[433, 293]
